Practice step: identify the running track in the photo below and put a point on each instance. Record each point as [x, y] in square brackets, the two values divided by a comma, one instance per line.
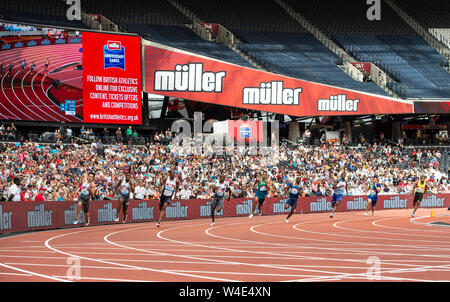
[311, 247]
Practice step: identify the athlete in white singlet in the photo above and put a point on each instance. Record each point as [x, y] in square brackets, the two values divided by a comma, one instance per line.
[170, 185]
[221, 187]
[123, 189]
[87, 190]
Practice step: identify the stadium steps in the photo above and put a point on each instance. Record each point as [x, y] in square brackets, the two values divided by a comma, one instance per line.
[334, 47]
[282, 22]
[200, 31]
[415, 65]
[426, 35]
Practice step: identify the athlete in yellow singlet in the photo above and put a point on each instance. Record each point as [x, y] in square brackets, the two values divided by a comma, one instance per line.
[419, 189]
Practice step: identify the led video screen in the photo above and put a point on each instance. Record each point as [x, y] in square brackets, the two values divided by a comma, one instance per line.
[54, 75]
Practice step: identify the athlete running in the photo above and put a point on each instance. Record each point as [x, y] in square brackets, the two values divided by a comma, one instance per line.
[420, 187]
[87, 191]
[374, 189]
[340, 187]
[220, 188]
[262, 190]
[170, 185]
[294, 190]
[124, 187]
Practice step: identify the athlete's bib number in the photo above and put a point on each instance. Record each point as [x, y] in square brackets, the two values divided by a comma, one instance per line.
[124, 190]
[169, 189]
[84, 191]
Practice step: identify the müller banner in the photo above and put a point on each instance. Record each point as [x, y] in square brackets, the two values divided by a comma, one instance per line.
[31, 216]
[176, 73]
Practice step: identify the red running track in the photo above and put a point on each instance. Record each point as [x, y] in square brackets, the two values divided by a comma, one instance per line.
[311, 247]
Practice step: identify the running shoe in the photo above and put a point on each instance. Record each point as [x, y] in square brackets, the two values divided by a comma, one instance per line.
[287, 221]
[213, 223]
[76, 222]
[331, 215]
[87, 223]
[158, 225]
[250, 216]
[125, 219]
[116, 219]
[365, 214]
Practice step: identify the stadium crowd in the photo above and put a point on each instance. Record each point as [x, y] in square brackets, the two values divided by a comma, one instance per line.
[53, 172]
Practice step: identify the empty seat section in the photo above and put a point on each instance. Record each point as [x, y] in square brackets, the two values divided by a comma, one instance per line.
[250, 15]
[416, 66]
[302, 56]
[45, 12]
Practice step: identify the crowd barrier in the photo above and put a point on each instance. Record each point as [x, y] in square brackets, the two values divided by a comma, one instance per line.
[32, 216]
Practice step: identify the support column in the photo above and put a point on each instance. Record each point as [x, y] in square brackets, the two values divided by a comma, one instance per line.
[348, 129]
[294, 131]
[396, 131]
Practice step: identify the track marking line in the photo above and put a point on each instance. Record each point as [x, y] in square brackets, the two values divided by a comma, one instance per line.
[47, 244]
[33, 273]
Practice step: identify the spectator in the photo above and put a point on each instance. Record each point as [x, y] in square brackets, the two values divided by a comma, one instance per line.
[128, 134]
[135, 135]
[140, 191]
[105, 134]
[41, 195]
[119, 135]
[185, 193]
[307, 137]
[69, 132]
[27, 194]
[14, 190]
[83, 133]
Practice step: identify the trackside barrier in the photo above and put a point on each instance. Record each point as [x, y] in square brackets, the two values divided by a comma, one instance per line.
[32, 216]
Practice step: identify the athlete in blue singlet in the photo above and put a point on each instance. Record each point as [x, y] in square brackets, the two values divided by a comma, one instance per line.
[261, 193]
[340, 187]
[294, 190]
[374, 189]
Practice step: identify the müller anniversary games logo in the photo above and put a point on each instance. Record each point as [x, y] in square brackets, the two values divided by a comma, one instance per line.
[114, 55]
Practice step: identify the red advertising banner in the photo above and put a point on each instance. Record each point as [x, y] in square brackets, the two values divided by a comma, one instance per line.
[30, 216]
[185, 75]
[111, 78]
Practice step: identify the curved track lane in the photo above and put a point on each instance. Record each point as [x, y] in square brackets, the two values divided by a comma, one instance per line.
[310, 247]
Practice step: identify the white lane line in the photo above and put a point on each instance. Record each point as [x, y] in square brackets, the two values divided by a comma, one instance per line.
[47, 244]
[33, 273]
[109, 279]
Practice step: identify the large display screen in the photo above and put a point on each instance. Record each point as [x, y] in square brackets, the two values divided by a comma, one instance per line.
[54, 75]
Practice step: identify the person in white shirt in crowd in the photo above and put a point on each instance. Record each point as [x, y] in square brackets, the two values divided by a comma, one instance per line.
[140, 191]
[185, 192]
[14, 190]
